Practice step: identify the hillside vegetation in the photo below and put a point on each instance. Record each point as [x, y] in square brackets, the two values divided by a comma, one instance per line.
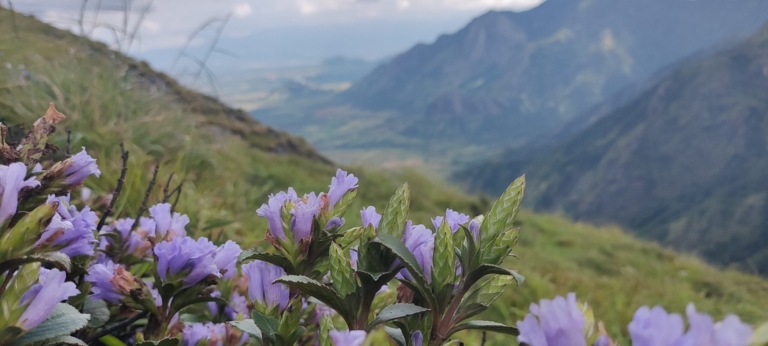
[227, 175]
[685, 163]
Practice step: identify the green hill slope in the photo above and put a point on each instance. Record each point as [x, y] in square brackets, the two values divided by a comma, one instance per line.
[227, 177]
[686, 163]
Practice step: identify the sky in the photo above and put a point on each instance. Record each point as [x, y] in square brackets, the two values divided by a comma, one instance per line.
[265, 32]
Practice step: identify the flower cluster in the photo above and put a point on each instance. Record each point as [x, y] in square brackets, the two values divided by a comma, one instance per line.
[563, 321]
[70, 272]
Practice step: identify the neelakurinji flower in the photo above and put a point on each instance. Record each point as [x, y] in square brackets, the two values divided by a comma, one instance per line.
[134, 242]
[304, 212]
[273, 211]
[655, 327]
[79, 167]
[186, 259]
[70, 231]
[226, 258]
[168, 226]
[261, 288]
[237, 308]
[553, 323]
[11, 183]
[340, 185]
[370, 217]
[210, 333]
[417, 338]
[453, 218]
[703, 331]
[111, 282]
[42, 298]
[347, 337]
[421, 242]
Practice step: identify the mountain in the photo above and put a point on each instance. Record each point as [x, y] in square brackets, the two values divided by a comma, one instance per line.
[508, 79]
[685, 163]
[228, 174]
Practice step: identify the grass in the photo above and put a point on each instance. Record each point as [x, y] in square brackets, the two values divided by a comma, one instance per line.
[228, 168]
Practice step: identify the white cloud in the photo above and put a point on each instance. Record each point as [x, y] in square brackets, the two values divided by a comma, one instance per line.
[242, 10]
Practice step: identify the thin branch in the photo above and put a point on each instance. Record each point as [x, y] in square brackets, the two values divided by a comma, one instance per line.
[13, 19]
[68, 151]
[146, 196]
[81, 19]
[482, 341]
[167, 196]
[117, 327]
[178, 194]
[118, 189]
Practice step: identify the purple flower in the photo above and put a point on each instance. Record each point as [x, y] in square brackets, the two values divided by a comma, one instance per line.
[603, 340]
[347, 337]
[340, 185]
[11, 183]
[320, 311]
[237, 308]
[133, 242]
[704, 332]
[70, 230]
[226, 258]
[334, 223]
[417, 338]
[261, 288]
[111, 282]
[453, 218]
[185, 259]
[38, 168]
[474, 229]
[273, 211]
[560, 322]
[421, 242]
[167, 226]
[304, 212]
[655, 327]
[43, 297]
[370, 217]
[80, 167]
[210, 333]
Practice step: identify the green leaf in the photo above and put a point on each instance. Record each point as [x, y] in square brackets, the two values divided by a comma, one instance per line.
[488, 269]
[110, 340]
[350, 237]
[64, 320]
[18, 240]
[64, 340]
[11, 309]
[342, 205]
[479, 298]
[275, 259]
[397, 335]
[57, 259]
[326, 325]
[503, 213]
[443, 261]
[502, 246]
[98, 310]
[249, 327]
[267, 325]
[486, 326]
[164, 342]
[321, 292]
[342, 274]
[396, 213]
[394, 312]
[409, 261]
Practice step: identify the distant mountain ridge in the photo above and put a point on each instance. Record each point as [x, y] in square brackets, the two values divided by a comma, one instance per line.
[685, 163]
[508, 78]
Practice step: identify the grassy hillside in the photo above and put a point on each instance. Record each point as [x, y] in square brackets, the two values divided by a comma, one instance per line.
[227, 176]
[685, 163]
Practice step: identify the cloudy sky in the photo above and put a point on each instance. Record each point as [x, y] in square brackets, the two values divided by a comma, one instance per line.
[269, 31]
